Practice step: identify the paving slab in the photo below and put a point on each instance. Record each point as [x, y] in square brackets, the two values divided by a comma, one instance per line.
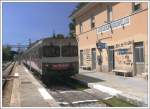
[132, 89]
[28, 92]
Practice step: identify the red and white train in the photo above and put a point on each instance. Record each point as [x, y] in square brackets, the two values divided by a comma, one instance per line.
[52, 57]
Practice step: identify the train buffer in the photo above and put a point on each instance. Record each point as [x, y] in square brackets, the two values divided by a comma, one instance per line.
[28, 92]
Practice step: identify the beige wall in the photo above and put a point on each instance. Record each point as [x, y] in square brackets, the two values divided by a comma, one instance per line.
[136, 31]
[100, 16]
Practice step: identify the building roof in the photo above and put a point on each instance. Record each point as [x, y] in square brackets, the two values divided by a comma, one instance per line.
[86, 7]
[82, 10]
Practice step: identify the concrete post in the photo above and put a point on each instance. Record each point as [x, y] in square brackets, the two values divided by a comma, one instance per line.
[134, 66]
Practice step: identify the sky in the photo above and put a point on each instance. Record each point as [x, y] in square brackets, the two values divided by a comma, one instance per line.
[24, 21]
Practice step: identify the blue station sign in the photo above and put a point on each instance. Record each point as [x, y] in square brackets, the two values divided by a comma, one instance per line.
[101, 45]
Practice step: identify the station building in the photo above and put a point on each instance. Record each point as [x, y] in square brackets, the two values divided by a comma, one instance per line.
[113, 36]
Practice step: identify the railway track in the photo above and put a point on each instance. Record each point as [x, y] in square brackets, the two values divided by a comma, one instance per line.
[5, 65]
[69, 92]
[6, 72]
[74, 94]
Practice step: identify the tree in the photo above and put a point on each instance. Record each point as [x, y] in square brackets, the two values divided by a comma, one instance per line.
[7, 54]
[72, 29]
[54, 36]
[79, 6]
[72, 23]
[60, 36]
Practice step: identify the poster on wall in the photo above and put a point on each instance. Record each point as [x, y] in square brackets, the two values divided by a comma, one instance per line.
[124, 54]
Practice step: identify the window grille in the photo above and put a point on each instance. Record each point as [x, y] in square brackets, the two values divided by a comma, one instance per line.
[139, 52]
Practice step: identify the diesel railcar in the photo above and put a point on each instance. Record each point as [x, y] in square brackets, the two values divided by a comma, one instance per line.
[52, 57]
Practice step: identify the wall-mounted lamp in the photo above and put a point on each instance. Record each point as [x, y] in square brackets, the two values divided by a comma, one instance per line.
[123, 26]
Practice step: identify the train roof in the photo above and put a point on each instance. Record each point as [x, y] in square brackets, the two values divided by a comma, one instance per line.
[58, 39]
[49, 40]
[37, 43]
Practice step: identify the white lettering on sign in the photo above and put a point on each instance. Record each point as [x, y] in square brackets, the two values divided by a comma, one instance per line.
[114, 25]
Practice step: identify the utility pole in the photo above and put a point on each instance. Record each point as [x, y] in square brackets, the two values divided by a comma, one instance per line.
[19, 60]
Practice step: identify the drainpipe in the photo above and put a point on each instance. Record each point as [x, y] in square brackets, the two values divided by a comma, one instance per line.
[101, 61]
[77, 39]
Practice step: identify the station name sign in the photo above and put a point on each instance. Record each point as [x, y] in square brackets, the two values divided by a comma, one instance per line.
[114, 25]
[101, 45]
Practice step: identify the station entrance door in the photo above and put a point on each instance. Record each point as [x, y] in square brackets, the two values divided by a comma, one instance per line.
[111, 59]
[93, 58]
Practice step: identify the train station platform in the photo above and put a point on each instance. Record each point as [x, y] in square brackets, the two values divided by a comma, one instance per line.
[28, 92]
[132, 89]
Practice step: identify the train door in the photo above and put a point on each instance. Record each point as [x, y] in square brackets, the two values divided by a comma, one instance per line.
[111, 59]
[93, 58]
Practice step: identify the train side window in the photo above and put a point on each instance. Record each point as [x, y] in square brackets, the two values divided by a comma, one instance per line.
[40, 52]
[51, 51]
[69, 51]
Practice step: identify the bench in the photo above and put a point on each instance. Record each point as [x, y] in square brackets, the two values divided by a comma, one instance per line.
[145, 76]
[125, 70]
[86, 67]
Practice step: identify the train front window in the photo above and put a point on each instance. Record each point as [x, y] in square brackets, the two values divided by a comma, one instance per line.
[51, 51]
[69, 51]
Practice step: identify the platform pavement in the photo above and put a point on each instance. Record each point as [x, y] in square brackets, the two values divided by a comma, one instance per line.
[132, 89]
[28, 92]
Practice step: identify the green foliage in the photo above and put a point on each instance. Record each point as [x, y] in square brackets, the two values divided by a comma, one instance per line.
[7, 54]
[72, 29]
[61, 36]
[72, 23]
[115, 102]
[79, 6]
[54, 36]
[57, 36]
